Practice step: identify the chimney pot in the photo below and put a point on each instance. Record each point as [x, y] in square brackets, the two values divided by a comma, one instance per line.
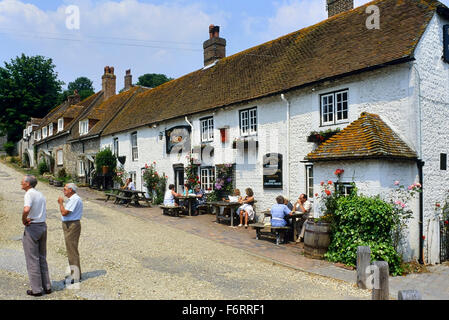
[128, 80]
[215, 47]
[108, 82]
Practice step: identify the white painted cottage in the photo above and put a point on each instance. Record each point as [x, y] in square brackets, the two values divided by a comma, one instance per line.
[327, 76]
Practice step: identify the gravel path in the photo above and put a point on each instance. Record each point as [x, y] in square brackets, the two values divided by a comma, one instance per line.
[125, 257]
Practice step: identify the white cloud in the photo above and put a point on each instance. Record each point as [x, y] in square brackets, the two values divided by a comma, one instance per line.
[152, 31]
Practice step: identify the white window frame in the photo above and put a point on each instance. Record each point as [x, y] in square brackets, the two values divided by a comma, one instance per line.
[309, 182]
[134, 147]
[35, 135]
[84, 127]
[60, 124]
[333, 107]
[115, 146]
[207, 129]
[248, 122]
[38, 135]
[44, 132]
[207, 177]
[81, 168]
[30, 129]
[347, 186]
[50, 129]
[60, 157]
[25, 133]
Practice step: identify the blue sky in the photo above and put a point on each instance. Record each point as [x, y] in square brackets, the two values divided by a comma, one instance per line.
[146, 36]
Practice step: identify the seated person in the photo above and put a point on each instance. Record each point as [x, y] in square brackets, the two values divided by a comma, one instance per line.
[303, 205]
[200, 198]
[236, 197]
[246, 209]
[288, 204]
[187, 190]
[279, 212]
[170, 194]
[129, 185]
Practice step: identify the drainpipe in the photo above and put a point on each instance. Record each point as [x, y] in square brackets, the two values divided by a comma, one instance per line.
[191, 132]
[288, 143]
[420, 164]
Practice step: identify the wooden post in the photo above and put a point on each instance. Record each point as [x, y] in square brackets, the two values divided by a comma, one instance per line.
[363, 262]
[409, 295]
[381, 289]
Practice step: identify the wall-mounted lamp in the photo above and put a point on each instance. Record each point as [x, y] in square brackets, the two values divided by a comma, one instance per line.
[161, 135]
[155, 125]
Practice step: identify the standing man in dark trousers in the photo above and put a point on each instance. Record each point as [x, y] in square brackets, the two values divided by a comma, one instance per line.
[35, 237]
[71, 225]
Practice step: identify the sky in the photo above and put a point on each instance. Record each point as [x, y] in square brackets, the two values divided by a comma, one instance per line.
[146, 36]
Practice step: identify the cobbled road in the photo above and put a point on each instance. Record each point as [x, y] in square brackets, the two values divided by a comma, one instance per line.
[126, 257]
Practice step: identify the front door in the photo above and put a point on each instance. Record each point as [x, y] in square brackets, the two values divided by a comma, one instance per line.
[179, 179]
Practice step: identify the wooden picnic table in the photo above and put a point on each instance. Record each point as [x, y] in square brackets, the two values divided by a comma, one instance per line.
[296, 215]
[225, 204]
[190, 199]
[127, 196]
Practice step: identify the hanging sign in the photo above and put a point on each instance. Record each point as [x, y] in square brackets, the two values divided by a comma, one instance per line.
[272, 171]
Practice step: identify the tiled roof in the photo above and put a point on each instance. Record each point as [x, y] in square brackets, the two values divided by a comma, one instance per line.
[367, 137]
[338, 46]
[69, 111]
[104, 112]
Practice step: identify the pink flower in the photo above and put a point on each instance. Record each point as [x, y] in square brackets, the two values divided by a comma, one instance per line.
[410, 187]
[418, 185]
[398, 202]
[396, 183]
[403, 205]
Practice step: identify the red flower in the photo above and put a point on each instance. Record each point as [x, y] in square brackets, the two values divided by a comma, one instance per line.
[329, 182]
[437, 205]
[327, 192]
[316, 194]
[446, 222]
[424, 237]
[322, 183]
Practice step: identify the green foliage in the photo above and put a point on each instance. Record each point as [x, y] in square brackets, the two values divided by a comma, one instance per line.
[105, 158]
[84, 87]
[62, 173]
[152, 80]
[322, 136]
[191, 171]
[28, 88]
[42, 167]
[363, 221]
[9, 148]
[155, 183]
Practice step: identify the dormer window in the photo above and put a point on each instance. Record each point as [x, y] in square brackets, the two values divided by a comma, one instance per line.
[84, 127]
[50, 129]
[60, 124]
[44, 132]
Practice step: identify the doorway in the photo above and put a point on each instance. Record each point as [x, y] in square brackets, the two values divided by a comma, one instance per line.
[179, 178]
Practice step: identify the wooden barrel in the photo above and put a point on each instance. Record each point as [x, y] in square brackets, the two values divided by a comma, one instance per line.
[316, 239]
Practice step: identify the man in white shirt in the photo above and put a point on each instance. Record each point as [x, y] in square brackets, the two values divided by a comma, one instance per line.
[35, 237]
[303, 205]
[71, 225]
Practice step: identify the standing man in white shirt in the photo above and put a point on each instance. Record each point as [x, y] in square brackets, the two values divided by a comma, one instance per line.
[35, 237]
[71, 225]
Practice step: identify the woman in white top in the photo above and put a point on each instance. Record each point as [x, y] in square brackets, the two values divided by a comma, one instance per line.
[170, 194]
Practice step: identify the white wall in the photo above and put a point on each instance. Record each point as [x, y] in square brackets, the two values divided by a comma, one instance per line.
[433, 81]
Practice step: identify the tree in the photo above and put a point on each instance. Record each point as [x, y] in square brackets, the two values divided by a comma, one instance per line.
[152, 80]
[84, 87]
[28, 88]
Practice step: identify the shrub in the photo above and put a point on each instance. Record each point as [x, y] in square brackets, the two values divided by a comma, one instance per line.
[42, 167]
[9, 148]
[62, 174]
[155, 183]
[105, 158]
[363, 221]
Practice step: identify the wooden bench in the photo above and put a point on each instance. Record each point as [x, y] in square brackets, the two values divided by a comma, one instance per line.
[173, 211]
[125, 198]
[113, 193]
[203, 209]
[277, 231]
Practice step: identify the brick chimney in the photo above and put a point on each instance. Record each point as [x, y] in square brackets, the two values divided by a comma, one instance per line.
[338, 6]
[108, 82]
[74, 99]
[128, 80]
[215, 47]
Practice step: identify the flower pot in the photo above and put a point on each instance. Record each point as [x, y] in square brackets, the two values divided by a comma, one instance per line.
[105, 170]
[316, 239]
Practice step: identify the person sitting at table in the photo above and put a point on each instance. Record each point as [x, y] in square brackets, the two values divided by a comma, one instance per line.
[170, 195]
[200, 198]
[302, 205]
[129, 185]
[187, 190]
[288, 203]
[246, 209]
[236, 197]
[279, 213]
